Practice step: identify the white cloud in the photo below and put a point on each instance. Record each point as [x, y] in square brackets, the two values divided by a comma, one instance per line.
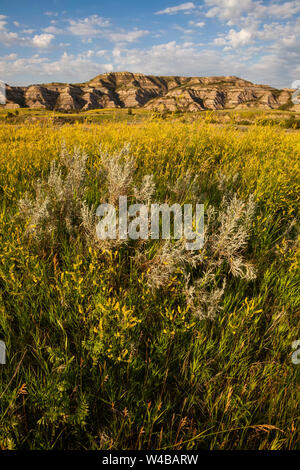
[290, 41]
[96, 26]
[236, 10]
[67, 68]
[220, 41]
[278, 66]
[199, 24]
[9, 38]
[235, 39]
[101, 53]
[227, 9]
[279, 10]
[182, 7]
[168, 59]
[129, 36]
[239, 38]
[278, 32]
[42, 40]
[53, 30]
[28, 31]
[266, 36]
[50, 13]
[90, 26]
[10, 57]
[259, 27]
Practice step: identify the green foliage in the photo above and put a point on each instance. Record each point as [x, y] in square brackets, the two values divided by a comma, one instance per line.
[98, 358]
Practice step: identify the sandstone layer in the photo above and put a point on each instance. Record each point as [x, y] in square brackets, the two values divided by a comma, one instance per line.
[129, 90]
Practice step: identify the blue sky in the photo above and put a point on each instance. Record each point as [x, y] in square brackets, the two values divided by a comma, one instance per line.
[72, 41]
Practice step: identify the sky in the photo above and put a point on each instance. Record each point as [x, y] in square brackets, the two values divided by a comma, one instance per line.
[73, 41]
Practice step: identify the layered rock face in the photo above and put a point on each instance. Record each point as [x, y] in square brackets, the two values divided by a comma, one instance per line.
[128, 90]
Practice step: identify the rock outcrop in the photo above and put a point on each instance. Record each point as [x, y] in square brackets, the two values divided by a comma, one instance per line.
[129, 90]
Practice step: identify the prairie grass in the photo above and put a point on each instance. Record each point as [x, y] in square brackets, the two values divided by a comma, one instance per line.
[137, 346]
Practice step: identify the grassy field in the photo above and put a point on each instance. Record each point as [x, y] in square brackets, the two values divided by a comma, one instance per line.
[242, 117]
[137, 345]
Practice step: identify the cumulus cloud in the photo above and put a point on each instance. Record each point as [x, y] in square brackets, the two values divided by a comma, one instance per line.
[129, 36]
[168, 59]
[89, 26]
[68, 68]
[278, 66]
[7, 38]
[96, 26]
[53, 30]
[239, 38]
[254, 39]
[269, 35]
[182, 7]
[227, 9]
[42, 40]
[279, 10]
[51, 13]
[235, 10]
[28, 31]
[198, 24]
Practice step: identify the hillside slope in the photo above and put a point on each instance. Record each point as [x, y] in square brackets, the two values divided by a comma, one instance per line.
[128, 90]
